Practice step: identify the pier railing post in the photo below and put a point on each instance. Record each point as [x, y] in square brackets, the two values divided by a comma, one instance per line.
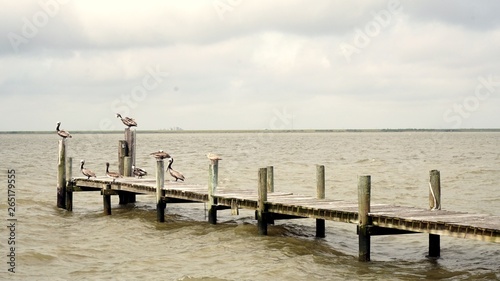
[127, 166]
[270, 179]
[160, 193]
[434, 204]
[106, 199]
[130, 137]
[320, 190]
[69, 191]
[213, 177]
[122, 152]
[262, 210]
[61, 175]
[364, 190]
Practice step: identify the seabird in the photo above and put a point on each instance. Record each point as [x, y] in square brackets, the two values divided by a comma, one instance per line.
[160, 154]
[113, 175]
[175, 174]
[64, 134]
[86, 172]
[213, 156]
[129, 122]
[138, 172]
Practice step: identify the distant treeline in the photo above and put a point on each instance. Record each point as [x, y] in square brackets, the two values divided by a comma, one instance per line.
[259, 131]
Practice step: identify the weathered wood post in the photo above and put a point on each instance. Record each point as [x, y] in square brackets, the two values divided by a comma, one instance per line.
[160, 193]
[122, 152]
[270, 179]
[61, 175]
[364, 190]
[320, 190]
[262, 210]
[69, 191]
[213, 177]
[434, 204]
[130, 139]
[127, 166]
[106, 198]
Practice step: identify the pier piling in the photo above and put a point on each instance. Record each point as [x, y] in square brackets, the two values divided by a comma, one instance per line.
[270, 179]
[106, 198]
[320, 194]
[130, 137]
[61, 175]
[122, 152]
[160, 193]
[434, 204]
[69, 191]
[364, 190]
[213, 177]
[262, 210]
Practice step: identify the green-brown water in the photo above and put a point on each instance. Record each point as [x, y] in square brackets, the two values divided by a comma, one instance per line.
[53, 244]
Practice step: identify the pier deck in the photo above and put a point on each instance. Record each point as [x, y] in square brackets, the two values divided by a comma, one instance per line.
[385, 218]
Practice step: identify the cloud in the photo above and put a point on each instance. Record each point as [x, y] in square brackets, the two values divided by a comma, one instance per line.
[235, 70]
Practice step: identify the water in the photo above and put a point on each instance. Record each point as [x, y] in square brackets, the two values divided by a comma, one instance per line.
[53, 244]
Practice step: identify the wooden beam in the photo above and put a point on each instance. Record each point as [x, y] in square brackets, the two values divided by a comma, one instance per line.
[320, 194]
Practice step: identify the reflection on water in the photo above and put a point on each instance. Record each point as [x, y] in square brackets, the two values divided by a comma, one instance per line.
[86, 244]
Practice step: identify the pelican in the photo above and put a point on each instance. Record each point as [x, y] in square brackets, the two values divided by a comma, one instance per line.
[86, 172]
[160, 154]
[113, 175]
[129, 122]
[175, 174]
[139, 172]
[213, 156]
[64, 134]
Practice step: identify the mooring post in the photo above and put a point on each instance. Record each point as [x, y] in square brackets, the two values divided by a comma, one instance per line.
[320, 190]
[262, 210]
[160, 193]
[69, 191]
[213, 177]
[106, 198]
[127, 166]
[364, 190]
[122, 152]
[270, 179]
[130, 139]
[61, 175]
[434, 204]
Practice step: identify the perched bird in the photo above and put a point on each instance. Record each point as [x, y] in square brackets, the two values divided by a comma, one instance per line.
[113, 175]
[64, 134]
[138, 172]
[213, 156]
[129, 122]
[175, 174]
[160, 154]
[86, 172]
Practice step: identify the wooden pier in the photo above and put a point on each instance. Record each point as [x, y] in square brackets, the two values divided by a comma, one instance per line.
[270, 205]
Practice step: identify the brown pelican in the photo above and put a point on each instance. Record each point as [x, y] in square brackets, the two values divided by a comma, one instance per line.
[175, 174]
[86, 172]
[138, 172]
[213, 156]
[64, 134]
[113, 175]
[129, 122]
[160, 154]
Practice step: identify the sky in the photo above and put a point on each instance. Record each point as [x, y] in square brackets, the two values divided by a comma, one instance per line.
[240, 64]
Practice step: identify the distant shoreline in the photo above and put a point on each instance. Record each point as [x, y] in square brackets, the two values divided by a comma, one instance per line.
[261, 131]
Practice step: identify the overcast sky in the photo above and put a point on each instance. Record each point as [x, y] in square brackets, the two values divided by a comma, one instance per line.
[240, 64]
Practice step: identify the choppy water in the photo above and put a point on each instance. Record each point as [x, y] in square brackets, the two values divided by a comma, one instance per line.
[53, 244]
